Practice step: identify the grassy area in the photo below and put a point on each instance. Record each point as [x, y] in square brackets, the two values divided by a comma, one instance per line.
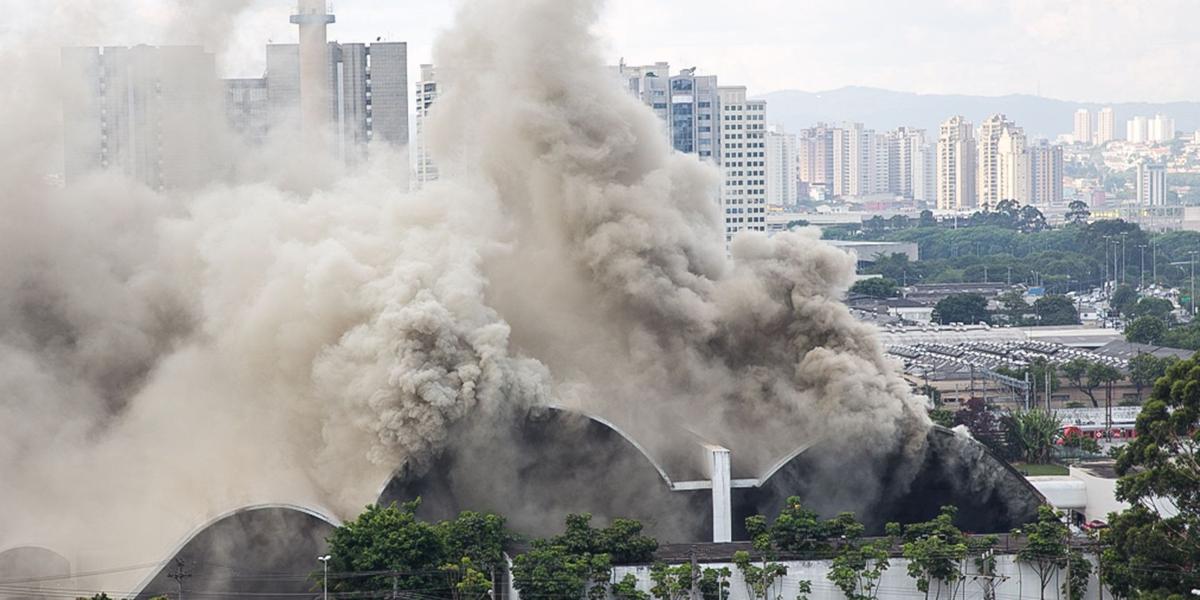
[1040, 470]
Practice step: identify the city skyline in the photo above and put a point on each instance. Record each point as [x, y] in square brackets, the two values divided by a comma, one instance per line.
[905, 48]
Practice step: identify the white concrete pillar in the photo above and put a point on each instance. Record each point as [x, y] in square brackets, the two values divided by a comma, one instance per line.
[722, 499]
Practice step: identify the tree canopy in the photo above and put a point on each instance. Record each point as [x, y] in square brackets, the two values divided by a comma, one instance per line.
[1146, 330]
[877, 287]
[962, 308]
[1150, 554]
[399, 550]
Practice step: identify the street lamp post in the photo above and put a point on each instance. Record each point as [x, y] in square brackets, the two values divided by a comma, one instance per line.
[1125, 264]
[325, 577]
[1142, 271]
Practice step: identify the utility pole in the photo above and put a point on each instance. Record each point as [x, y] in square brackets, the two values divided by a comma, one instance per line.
[694, 593]
[1154, 260]
[179, 573]
[1106, 244]
[1192, 254]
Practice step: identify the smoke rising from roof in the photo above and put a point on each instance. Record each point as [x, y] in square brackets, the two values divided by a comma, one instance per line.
[296, 332]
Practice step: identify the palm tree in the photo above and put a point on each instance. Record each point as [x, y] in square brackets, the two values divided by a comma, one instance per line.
[1035, 433]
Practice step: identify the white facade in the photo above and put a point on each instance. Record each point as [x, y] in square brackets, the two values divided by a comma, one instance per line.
[151, 113]
[1151, 184]
[910, 164]
[426, 93]
[1161, 129]
[1045, 174]
[368, 93]
[1001, 162]
[1009, 579]
[1137, 130]
[1013, 175]
[650, 84]
[814, 152]
[1083, 126]
[1106, 124]
[743, 155]
[956, 165]
[782, 168]
[860, 161]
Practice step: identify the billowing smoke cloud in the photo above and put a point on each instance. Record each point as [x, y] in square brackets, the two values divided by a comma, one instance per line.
[290, 338]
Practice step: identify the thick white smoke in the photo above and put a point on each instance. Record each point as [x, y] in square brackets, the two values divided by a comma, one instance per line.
[293, 337]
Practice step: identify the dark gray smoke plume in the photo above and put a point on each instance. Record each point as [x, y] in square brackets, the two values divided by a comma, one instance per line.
[296, 332]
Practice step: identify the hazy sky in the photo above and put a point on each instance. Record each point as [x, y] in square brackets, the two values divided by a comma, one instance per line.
[1093, 50]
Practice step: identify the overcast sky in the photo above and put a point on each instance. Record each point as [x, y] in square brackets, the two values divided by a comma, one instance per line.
[1086, 50]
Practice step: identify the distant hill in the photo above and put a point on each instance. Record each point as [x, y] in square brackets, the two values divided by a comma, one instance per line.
[885, 109]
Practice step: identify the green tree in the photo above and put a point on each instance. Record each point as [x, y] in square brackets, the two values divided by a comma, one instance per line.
[1145, 369]
[1078, 212]
[1186, 337]
[1056, 310]
[1088, 376]
[1153, 307]
[1031, 220]
[858, 566]
[1046, 547]
[1035, 433]
[1013, 306]
[407, 552]
[578, 563]
[927, 219]
[763, 578]
[936, 551]
[962, 308]
[942, 416]
[1075, 586]
[627, 589]
[1146, 330]
[1123, 299]
[1150, 554]
[878, 287]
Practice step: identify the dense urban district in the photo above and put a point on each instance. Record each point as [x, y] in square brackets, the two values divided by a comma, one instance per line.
[1041, 292]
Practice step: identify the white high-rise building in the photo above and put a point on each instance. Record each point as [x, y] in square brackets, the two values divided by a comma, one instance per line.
[743, 155]
[909, 164]
[650, 84]
[1083, 126]
[956, 165]
[1106, 125]
[857, 155]
[427, 92]
[1151, 184]
[815, 153]
[1001, 162]
[1013, 173]
[152, 113]
[368, 91]
[782, 167]
[1137, 130]
[1161, 129]
[1045, 174]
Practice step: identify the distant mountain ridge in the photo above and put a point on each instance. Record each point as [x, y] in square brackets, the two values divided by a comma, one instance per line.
[885, 109]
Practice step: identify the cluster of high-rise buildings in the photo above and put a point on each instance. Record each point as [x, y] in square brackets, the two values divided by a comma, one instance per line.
[721, 125]
[852, 161]
[156, 113]
[962, 168]
[978, 168]
[1138, 130]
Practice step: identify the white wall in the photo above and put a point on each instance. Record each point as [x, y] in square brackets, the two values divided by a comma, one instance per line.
[1017, 581]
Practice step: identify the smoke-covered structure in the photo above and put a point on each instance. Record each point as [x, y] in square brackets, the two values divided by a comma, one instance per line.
[296, 332]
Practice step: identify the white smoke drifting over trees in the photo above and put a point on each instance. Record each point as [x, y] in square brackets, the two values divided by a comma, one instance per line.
[290, 337]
